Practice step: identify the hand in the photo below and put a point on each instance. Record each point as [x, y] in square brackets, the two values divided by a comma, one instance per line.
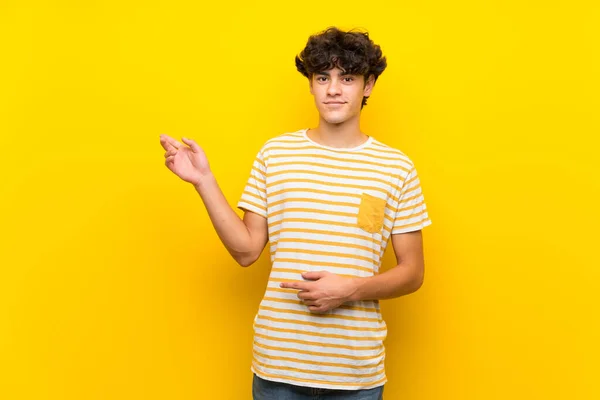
[325, 292]
[188, 163]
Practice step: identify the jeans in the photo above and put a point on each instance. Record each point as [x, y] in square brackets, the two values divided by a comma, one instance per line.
[269, 390]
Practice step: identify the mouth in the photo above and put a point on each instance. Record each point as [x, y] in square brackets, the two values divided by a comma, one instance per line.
[334, 102]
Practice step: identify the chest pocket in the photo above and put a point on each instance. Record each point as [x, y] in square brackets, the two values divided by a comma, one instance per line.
[371, 213]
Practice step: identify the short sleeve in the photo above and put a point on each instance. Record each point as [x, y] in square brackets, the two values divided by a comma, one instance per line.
[254, 196]
[411, 213]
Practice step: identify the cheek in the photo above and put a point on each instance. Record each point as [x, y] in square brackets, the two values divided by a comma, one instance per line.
[358, 94]
[318, 90]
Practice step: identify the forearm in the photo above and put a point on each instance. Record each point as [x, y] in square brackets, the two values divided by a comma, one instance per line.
[229, 226]
[398, 281]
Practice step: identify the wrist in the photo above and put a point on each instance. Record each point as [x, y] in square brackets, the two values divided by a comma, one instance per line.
[356, 289]
[203, 181]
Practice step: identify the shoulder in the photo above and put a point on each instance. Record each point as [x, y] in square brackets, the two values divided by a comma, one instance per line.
[394, 156]
[283, 140]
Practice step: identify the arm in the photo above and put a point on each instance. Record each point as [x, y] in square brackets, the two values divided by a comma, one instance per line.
[325, 291]
[244, 239]
[403, 279]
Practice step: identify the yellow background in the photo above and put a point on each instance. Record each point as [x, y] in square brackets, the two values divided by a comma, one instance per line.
[113, 283]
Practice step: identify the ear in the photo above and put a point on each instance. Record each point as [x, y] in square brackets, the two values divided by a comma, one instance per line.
[310, 85]
[369, 84]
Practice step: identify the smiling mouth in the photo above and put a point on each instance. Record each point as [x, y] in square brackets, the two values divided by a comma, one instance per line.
[335, 102]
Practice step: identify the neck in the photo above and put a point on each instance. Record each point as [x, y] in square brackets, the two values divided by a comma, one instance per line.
[344, 135]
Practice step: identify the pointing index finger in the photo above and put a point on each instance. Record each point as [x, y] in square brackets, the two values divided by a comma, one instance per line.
[305, 286]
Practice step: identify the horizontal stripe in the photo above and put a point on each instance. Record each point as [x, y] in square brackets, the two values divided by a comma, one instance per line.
[320, 211]
[314, 200]
[253, 204]
[258, 175]
[317, 221]
[323, 264]
[342, 160]
[339, 316]
[410, 216]
[322, 363]
[261, 162]
[260, 190]
[279, 230]
[300, 271]
[423, 222]
[391, 200]
[411, 198]
[254, 196]
[315, 372]
[324, 253]
[319, 353]
[334, 184]
[294, 321]
[332, 166]
[320, 151]
[285, 191]
[321, 335]
[321, 316]
[289, 139]
[319, 343]
[410, 181]
[329, 175]
[412, 207]
[299, 302]
[328, 243]
[323, 232]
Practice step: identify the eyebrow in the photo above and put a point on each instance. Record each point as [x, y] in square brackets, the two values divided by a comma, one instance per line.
[326, 73]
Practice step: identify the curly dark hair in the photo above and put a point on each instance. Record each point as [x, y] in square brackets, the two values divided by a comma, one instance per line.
[351, 51]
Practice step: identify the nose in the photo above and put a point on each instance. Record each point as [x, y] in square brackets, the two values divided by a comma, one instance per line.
[334, 87]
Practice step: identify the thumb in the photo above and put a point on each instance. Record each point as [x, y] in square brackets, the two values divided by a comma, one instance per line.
[192, 144]
[314, 275]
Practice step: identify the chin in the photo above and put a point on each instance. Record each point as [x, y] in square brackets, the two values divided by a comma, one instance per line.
[335, 119]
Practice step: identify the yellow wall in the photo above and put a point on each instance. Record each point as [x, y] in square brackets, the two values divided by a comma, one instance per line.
[113, 283]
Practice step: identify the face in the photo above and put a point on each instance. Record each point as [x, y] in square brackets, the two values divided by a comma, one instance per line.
[338, 96]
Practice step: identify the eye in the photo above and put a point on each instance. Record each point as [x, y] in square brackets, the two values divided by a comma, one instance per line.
[348, 79]
[321, 78]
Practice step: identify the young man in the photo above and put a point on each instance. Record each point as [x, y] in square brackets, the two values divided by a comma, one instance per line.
[327, 199]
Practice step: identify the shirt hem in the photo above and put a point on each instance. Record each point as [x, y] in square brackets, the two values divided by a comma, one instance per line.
[316, 385]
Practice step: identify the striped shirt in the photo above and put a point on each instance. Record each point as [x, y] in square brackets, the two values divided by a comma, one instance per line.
[327, 209]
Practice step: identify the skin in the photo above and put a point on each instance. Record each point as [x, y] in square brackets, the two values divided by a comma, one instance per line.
[338, 98]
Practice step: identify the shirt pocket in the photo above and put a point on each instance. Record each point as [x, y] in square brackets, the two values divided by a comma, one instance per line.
[371, 213]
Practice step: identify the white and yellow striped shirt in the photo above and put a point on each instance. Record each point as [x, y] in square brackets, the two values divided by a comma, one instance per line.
[327, 209]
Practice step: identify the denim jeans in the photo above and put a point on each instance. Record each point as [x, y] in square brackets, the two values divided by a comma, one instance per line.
[269, 390]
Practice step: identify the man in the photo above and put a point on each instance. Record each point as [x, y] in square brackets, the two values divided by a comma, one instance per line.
[328, 199]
